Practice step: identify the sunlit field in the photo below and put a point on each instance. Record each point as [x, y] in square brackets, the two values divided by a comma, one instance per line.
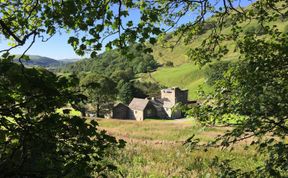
[155, 149]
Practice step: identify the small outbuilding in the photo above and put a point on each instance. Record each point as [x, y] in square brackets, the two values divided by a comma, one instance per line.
[120, 111]
[142, 108]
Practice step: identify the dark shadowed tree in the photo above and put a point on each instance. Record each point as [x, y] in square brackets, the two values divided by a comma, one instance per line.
[101, 92]
[36, 141]
[125, 92]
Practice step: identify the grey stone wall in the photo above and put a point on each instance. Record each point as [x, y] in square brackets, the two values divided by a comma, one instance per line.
[175, 95]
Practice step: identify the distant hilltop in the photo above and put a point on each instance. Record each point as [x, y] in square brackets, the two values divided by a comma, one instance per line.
[46, 62]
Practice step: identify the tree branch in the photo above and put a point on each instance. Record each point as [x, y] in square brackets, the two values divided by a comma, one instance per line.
[8, 30]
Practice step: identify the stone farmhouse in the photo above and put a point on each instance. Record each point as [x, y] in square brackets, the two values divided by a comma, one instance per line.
[163, 108]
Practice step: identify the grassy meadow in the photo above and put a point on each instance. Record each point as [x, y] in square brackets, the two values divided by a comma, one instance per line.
[155, 149]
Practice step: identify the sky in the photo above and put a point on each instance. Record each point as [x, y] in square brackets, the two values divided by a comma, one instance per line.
[58, 48]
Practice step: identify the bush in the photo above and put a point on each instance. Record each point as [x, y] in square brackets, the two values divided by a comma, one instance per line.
[255, 29]
[250, 30]
[169, 64]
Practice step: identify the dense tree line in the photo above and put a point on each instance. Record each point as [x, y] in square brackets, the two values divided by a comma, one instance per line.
[115, 71]
[116, 65]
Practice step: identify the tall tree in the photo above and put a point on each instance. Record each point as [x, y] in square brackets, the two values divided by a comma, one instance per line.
[101, 92]
[125, 92]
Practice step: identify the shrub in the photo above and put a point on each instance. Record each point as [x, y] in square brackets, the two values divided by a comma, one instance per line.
[169, 64]
[249, 30]
[255, 29]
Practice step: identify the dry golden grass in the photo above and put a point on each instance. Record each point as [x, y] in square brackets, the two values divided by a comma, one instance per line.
[155, 149]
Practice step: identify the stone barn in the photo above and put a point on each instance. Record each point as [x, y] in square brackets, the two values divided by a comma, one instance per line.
[164, 107]
[141, 109]
[120, 111]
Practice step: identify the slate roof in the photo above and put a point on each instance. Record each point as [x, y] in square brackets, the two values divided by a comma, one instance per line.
[138, 104]
[119, 104]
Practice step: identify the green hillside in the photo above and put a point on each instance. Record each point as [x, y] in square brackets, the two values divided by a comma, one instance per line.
[46, 62]
[186, 74]
[42, 61]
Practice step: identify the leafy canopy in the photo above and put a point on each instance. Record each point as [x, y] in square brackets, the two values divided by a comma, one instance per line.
[37, 141]
[255, 89]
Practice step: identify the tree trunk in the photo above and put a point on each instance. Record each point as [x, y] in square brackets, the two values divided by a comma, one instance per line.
[98, 108]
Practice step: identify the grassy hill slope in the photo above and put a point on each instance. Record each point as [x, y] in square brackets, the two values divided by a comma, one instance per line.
[188, 76]
[185, 74]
